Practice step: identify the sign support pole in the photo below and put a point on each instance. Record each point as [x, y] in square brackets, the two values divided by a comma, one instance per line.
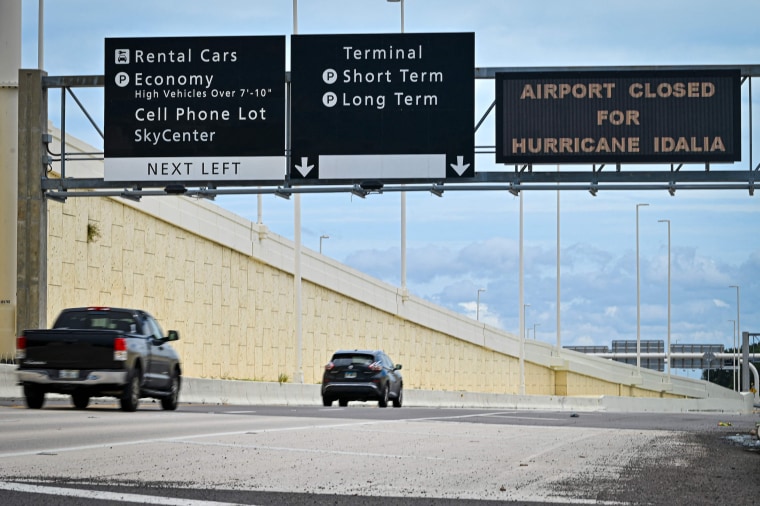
[31, 284]
[10, 61]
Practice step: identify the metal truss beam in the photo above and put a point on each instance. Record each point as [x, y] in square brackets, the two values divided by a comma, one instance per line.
[523, 177]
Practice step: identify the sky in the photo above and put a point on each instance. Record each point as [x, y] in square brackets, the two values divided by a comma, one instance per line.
[464, 247]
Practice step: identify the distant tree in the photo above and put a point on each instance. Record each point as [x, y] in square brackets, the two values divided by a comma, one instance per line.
[725, 377]
[722, 377]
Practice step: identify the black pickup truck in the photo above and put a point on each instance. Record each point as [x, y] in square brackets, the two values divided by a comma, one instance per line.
[100, 352]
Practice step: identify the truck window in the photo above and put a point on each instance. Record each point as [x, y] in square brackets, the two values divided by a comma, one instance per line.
[103, 320]
[153, 328]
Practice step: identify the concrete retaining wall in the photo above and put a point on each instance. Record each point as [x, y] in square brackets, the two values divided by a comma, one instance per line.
[256, 393]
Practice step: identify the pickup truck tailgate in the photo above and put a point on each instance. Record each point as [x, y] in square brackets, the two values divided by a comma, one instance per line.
[71, 349]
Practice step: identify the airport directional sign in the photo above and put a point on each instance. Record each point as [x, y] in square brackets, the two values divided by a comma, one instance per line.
[195, 109]
[382, 107]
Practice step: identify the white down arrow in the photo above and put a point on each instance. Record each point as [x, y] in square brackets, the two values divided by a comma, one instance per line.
[460, 166]
[304, 168]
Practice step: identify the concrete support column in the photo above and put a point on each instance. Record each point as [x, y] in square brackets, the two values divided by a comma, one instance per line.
[31, 284]
[10, 62]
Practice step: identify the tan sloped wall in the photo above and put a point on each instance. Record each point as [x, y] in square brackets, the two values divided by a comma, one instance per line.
[235, 314]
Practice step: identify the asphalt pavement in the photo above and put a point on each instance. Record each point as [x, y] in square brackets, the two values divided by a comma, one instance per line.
[275, 455]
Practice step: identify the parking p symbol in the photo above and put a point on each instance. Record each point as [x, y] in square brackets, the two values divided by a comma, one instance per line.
[122, 79]
[329, 76]
[329, 99]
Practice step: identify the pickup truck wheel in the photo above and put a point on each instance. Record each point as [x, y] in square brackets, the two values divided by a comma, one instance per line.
[80, 400]
[35, 397]
[170, 403]
[130, 398]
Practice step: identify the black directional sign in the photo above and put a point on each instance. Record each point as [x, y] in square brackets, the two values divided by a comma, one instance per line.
[382, 107]
[195, 109]
[618, 116]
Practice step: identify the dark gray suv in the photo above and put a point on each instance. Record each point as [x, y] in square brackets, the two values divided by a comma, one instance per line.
[362, 375]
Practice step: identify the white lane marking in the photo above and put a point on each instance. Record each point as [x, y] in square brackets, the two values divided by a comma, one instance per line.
[106, 496]
[512, 417]
[172, 501]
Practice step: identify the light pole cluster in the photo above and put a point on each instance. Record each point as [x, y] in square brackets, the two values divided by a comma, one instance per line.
[737, 323]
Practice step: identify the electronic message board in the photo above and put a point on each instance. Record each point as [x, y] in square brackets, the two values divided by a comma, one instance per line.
[618, 116]
[195, 109]
[384, 107]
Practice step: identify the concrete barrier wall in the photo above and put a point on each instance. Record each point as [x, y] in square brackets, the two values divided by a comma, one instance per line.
[226, 284]
[254, 393]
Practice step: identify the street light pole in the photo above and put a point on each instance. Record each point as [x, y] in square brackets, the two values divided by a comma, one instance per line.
[522, 348]
[297, 280]
[521, 296]
[534, 330]
[733, 338]
[403, 200]
[559, 338]
[320, 242]
[477, 307]
[668, 222]
[737, 332]
[402, 12]
[638, 295]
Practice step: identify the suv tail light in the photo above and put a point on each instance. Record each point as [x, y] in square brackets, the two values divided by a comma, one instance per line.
[329, 366]
[120, 349]
[375, 366]
[20, 347]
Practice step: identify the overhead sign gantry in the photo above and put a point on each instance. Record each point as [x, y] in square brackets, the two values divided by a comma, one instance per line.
[210, 116]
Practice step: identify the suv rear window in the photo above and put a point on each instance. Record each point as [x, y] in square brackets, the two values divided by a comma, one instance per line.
[344, 359]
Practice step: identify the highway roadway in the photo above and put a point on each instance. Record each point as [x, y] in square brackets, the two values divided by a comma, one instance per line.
[202, 455]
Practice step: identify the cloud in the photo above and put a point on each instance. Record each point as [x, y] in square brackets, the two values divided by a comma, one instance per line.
[598, 288]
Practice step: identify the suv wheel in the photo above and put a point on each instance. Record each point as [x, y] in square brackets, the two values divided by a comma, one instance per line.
[399, 398]
[326, 401]
[383, 401]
